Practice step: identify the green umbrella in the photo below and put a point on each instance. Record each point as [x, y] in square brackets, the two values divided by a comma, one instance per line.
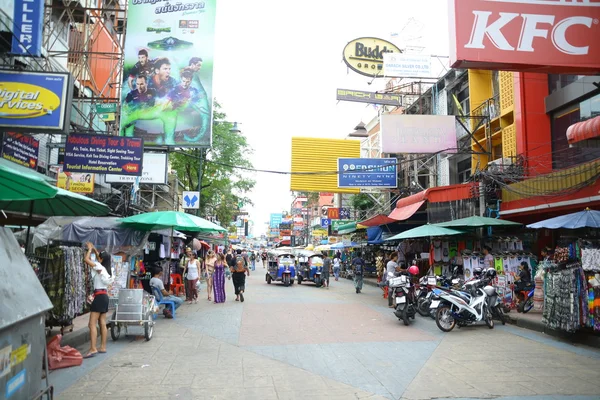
[477, 222]
[64, 204]
[171, 219]
[425, 231]
[20, 183]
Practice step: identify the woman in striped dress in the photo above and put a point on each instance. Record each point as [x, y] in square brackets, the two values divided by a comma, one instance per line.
[219, 279]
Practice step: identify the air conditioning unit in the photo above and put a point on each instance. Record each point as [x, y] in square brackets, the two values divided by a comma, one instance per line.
[499, 165]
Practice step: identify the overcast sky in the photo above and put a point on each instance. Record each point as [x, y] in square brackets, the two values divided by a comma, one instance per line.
[278, 64]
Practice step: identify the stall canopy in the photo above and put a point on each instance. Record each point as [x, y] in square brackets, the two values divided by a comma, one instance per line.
[377, 220]
[583, 219]
[350, 227]
[171, 219]
[375, 235]
[106, 233]
[425, 231]
[20, 183]
[589, 129]
[477, 222]
[64, 203]
[408, 206]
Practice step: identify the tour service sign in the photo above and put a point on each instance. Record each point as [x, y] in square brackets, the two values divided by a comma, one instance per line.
[547, 36]
[365, 55]
[168, 72]
[104, 155]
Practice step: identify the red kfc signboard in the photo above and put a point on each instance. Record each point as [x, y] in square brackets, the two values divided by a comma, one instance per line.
[551, 36]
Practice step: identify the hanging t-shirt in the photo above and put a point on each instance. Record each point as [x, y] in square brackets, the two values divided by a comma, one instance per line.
[453, 249]
[445, 251]
[162, 253]
[498, 262]
[437, 270]
[519, 245]
[437, 250]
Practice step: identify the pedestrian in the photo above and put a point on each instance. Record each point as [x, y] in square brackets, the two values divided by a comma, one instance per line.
[183, 262]
[219, 278]
[238, 275]
[264, 259]
[102, 278]
[390, 271]
[379, 266]
[192, 271]
[209, 262]
[157, 283]
[230, 257]
[337, 263]
[488, 260]
[253, 260]
[358, 265]
[326, 269]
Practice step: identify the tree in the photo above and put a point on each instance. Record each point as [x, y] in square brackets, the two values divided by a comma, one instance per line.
[224, 185]
[362, 202]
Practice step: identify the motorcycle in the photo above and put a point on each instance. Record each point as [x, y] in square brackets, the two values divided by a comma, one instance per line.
[424, 307]
[454, 308]
[404, 294]
[527, 304]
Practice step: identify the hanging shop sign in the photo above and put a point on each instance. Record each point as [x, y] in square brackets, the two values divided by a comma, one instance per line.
[367, 173]
[167, 95]
[387, 99]
[154, 171]
[407, 66]
[333, 213]
[325, 222]
[28, 27]
[21, 149]
[547, 36]
[365, 55]
[104, 155]
[336, 223]
[78, 183]
[275, 220]
[191, 200]
[418, 133]
[344, 213]
[35, 101]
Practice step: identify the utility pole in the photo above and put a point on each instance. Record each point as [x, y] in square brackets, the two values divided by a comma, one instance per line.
[201, 155]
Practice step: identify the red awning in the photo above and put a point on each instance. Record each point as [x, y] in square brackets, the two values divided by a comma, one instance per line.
[589, 129]
[377, 220]
[406, 207]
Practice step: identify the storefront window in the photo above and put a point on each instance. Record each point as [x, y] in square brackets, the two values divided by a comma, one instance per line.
[557, 82]
[464, 170]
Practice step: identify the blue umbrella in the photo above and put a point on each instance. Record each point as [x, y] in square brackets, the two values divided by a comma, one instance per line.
[582, 219]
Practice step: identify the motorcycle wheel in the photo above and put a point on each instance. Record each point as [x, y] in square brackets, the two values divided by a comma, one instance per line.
[318, 282]
[500, 314]
[489, 320]
[269, 279]
[444, 319]
[405, 315]
[286, 280]
[527, 305]
[423, 307]
[299, 280]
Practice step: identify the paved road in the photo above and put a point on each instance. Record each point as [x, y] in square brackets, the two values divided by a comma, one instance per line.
[304, 342]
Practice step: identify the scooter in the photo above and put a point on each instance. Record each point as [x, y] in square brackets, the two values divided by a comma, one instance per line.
[404, 293]
[454, 309]
[527, 304]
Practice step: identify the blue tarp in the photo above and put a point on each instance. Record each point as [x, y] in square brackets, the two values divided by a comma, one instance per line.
[374, 235]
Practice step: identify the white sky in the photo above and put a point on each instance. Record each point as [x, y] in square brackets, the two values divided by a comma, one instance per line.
[278, 64]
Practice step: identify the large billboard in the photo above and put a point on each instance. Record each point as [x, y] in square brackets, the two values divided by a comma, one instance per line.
[167, 89]
[35, 101]
[549, 36]
[315, 163]
[367, 173]
[418, 133]
[365, 55]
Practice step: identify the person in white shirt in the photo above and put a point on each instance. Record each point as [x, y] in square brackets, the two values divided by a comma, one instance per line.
[192, 269]
[337, 263]
[157, 283]
[101, 277]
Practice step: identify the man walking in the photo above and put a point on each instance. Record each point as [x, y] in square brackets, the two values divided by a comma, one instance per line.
[326, 269]
[238, 274]
[358, 267]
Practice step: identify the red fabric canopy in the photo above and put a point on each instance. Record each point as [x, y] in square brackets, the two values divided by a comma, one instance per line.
[406, 207]
[584, 130]
[403, 213]
[377, 220]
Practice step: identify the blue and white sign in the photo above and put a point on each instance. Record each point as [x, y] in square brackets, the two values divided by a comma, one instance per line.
[275, 220]
[28, 27]
[325, 222]
[367, 173]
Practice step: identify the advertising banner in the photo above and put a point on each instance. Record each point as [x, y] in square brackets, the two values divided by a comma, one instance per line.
[78, 183]
[388, 99]
[407, 66]
[365, 55]
[104, 154]
[344, 213]
[28, 27]
[336, 223]
[545, 36]
[35, 101]
[190, 200]
[167, 89]
[418, 133]
[367, 173]
[333, 213]
[20, 149]
[154, 171]
[275, 220]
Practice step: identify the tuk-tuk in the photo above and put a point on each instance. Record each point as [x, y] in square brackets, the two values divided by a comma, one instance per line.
[312, 269]
[281, 268]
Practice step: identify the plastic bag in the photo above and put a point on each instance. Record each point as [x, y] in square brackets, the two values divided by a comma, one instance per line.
[62, 357]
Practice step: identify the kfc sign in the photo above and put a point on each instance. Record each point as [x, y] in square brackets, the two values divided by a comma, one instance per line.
[537, 35]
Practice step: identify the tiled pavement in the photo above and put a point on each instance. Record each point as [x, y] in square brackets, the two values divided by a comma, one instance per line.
[312, 343]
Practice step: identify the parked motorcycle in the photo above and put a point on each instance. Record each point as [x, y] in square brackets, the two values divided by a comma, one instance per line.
[404, 293]
[527, 304]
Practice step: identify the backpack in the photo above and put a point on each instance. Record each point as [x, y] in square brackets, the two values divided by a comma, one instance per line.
[358, 267]
[240, 262]
[252, 257]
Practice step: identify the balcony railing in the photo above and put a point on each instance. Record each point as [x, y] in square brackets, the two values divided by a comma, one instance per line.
[489, 108]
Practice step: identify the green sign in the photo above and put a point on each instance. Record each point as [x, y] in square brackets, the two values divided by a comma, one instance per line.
[106, 108]
[335, 223]
[107, 117]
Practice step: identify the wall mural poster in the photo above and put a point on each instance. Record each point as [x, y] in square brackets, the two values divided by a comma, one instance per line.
[167, 89]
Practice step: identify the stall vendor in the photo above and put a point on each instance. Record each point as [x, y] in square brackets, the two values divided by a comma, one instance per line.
[157, 283]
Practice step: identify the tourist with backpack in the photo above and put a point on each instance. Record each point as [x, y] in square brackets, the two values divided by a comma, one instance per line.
[358, 266]
[238, 275]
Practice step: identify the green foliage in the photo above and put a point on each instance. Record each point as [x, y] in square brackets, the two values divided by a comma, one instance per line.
[362, 202]
[223, 186]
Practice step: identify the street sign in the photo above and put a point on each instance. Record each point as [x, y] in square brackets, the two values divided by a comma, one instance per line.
[107, 117]
[344, 213]
[367, 172]
[191, 200]
[103, 108]
[325, 222]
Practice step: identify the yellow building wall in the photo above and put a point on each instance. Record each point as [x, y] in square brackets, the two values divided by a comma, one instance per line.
[320, 155]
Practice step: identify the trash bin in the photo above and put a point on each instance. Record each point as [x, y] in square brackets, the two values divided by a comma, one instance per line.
[23, 306]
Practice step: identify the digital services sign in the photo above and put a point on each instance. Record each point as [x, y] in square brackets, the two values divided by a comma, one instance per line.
[367, 173]
[35, 101]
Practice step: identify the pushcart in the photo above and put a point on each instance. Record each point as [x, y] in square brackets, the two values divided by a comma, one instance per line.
[133, 307]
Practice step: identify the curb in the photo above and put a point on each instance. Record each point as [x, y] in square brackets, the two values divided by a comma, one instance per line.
[76, 338]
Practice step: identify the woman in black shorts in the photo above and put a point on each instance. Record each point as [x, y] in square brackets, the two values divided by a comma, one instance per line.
[101, 276]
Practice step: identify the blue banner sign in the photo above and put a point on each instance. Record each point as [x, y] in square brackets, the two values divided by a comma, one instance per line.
[275, 220]
[21, 149]
[325, 222]
[367, 172]
[104, 154]
[28, 27]
[35, 101]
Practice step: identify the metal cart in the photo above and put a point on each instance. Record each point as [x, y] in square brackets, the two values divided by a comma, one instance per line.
[134, 307]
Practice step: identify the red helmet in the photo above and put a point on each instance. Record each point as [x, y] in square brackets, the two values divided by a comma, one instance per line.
[413, 270]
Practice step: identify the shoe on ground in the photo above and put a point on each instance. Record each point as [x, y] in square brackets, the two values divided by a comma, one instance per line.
[167, 314]
[242, 297]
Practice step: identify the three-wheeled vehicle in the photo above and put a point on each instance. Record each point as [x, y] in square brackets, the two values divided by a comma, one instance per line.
[282, 268]
[312, 270]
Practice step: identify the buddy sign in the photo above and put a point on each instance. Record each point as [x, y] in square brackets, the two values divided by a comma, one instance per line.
[365, 55]
[539, 35]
